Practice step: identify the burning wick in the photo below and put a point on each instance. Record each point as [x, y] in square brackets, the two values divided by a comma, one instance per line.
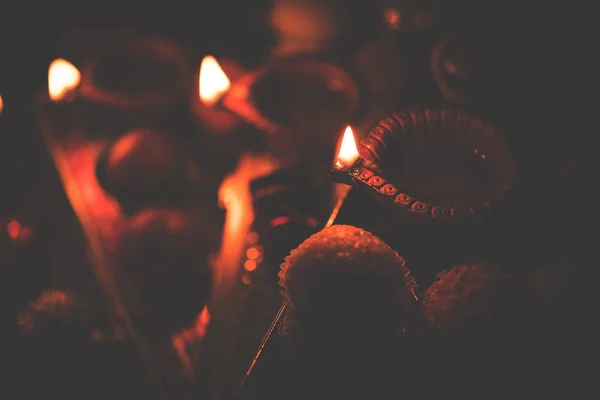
[348, 154]
[1, 104]
[63, 78]
[213, 82]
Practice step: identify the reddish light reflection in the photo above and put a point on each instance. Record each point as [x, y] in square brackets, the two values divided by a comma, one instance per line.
[253, 253]
[278, 221]
[13, 228]
[235, 196]
[250, 265]
[87, 196]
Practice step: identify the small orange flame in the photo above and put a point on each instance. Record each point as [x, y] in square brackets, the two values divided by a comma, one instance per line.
[213, 82]
[348, 153]
[63, 77]
[1, 104]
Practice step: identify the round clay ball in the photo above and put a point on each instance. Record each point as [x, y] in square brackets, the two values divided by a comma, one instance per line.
[345, 281]
[164, 260]
[139, 164]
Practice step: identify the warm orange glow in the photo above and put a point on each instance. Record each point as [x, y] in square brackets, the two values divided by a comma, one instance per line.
[250, 265]
[348, 153]
[252, 238]
[278, 221]
[235, 197]
[14, 229]
[392, 17]
[253, 253]
[63, 77]
[204, 316]
[1, 104]
[122, 147]
[213, 82]
[26, 234]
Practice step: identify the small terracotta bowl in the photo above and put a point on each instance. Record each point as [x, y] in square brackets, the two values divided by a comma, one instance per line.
[437, 164]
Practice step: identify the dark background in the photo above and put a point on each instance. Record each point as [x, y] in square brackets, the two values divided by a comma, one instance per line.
[547, 46]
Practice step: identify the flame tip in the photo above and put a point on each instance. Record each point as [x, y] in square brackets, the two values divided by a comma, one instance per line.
[213, 83]
[63, 77]
[348, 153]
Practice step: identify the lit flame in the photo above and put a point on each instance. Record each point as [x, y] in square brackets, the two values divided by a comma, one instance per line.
[63, 77]
[1, 104]
[348, 153]
[213, 83]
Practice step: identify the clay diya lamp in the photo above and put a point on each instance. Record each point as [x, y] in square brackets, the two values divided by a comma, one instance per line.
[311, 99]
[439, 171]
[141, 81]
[295, 103]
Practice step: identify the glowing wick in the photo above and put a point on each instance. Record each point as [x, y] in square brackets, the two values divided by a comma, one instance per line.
[63, 77]
[213, 83]
[348, 153]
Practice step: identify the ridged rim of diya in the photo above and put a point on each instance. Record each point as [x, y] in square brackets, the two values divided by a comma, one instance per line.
[422, 129]
[164, 51]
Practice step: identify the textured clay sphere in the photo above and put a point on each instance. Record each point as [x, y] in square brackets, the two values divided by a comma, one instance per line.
[344, 280]
[61, 338]
[139, 164]
[164, 268]
[466, 298]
